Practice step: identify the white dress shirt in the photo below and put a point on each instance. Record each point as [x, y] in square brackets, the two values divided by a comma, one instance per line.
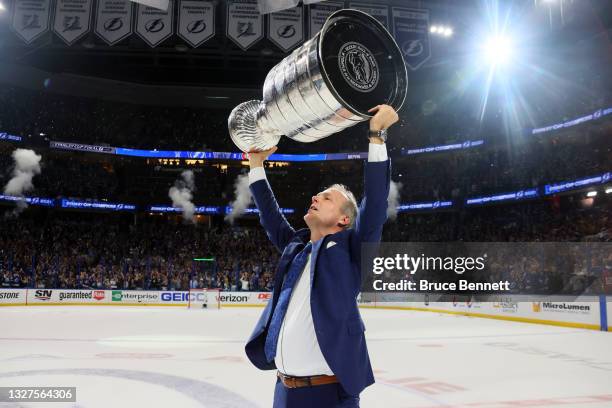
[298, 352]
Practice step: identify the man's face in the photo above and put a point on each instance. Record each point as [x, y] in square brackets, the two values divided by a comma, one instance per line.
[326, 209]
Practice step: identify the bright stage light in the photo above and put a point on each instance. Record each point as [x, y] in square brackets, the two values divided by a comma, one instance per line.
[2, 7]
[592, 194]
[498, 50]
[609, 190]
[442, 30]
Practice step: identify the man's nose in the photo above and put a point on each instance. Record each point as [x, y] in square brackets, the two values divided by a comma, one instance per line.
[314, 199]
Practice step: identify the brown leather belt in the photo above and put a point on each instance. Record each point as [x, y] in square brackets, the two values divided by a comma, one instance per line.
[298, 382]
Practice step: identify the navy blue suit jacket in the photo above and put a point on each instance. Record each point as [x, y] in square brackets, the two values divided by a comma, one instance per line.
[335, 278]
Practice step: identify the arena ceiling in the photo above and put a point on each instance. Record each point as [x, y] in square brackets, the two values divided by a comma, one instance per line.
[220, 65]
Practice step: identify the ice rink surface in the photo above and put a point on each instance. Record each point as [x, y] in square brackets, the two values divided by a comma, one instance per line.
[174, 357]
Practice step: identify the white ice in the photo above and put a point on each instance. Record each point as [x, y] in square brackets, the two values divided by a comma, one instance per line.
[171, 357]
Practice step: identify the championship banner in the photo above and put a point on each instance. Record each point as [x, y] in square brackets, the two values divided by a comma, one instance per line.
[244, 23]
[72, 19]
[196, 21]
[113, 20]
[318, 13]
[286, 28]
[154, 25]
[411, 29]
[30, 19]
[380, 13]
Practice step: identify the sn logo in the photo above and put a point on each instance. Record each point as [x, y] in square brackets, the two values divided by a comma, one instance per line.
[43, 294]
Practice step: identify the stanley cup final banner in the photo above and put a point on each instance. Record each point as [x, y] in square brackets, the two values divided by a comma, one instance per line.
[245, 24]
[379, 12]
[411, 29]
[113, 20]
[318, 13]
[30, 19]
[72, 19]
[286, 28]
[154, 25]
[196, 21]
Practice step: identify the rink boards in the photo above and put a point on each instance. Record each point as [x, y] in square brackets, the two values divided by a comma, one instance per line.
[588, 312]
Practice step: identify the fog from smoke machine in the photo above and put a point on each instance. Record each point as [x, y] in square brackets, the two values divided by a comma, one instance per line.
[242, 200]
[182, 195]
[27, 165]
[394, 199]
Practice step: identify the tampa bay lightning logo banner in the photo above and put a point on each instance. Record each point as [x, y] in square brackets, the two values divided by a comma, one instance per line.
[113, 20]
[30, 19]
[318, 13]
[380, 13]
[245, 24]
[196, 22]
[154, 25]
[286, 28]
[411, 29]
[72, 19]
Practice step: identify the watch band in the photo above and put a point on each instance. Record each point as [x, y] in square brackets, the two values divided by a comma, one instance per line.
[378, 133]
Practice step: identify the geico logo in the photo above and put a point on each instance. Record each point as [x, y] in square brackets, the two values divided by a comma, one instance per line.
[13, 295]
[182, 297]
[173, 296]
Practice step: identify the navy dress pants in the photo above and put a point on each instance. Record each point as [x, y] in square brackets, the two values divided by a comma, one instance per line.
[319, 396]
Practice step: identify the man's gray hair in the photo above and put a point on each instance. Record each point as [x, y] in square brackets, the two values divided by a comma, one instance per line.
[350, 207]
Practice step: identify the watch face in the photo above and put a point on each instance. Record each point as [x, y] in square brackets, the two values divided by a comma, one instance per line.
[380, 133]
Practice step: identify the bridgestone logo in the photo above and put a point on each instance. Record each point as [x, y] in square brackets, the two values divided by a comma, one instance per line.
[9, 295]
[565, 306]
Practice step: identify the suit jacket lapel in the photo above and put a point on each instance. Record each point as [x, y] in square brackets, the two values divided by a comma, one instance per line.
[316, 248]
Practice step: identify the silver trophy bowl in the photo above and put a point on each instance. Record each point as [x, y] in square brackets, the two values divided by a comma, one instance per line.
[325, 86]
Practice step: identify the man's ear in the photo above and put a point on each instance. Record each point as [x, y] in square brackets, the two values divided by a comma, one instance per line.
[344, 222]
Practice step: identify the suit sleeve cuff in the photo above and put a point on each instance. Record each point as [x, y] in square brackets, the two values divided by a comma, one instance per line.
[256, 174]
[377, 152]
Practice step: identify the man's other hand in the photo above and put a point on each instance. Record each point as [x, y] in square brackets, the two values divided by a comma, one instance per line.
[384, 117]
[256, 158]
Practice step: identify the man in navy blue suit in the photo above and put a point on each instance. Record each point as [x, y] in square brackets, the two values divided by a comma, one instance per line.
[311, 331]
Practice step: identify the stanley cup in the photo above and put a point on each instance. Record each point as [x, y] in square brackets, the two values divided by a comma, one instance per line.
[326, 85]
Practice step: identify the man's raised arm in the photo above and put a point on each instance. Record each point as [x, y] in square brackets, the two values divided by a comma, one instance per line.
[274, 222]
[373, 208]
